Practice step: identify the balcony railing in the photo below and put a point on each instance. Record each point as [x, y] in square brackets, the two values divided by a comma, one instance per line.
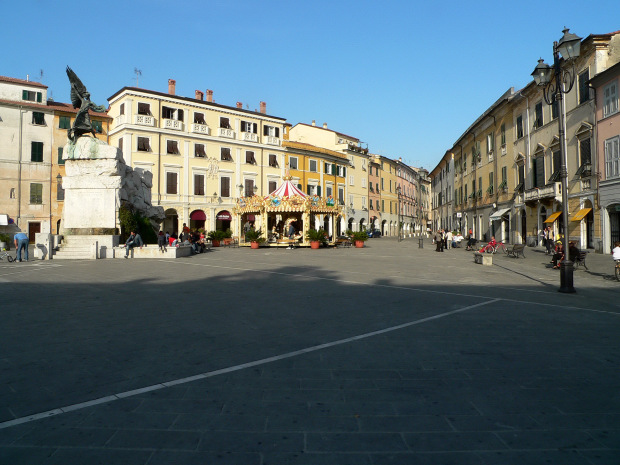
[225, 132]
[173, 124]
[271, 140]
[144, 120]
[249, 137]
[200, 129]
[550, 191]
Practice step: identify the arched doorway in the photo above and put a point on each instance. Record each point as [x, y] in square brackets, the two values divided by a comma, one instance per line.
[222, 220]
[523, 227]
[383, 225]
[362, 224]
[171, 222]
[326, 225]
[197, 219]
[350, 225]
[614, 224]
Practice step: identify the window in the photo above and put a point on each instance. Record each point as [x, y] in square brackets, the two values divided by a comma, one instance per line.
[172, 113]
[199, 118]
[377, 205]
[225, 154]
[377, 186]
[351, 201]
[60, 192]
[246, 126]
[271, 131]
[249, 158]
[480, 186]
[313, 166]
[329, 191]
[554, 109]
[172, 181]
[363, 182]
[585, 155]
[121, 110]
[38, 118]
[60, 160]
[490, 189]
[503, 134]
[341, 195]
[612, 157]
[144, 109]
[249, 187]
[225, 187]
[64, 122]
[504, 184]
[328, 168]
[382, 185]
[272, 186]
[584, 89]
[36, 151]
[97, 126]
[144, 144]
[363, 202]
[172, 147]
[199, 151]
[555, 166]
[199, 184]
[538, 115]
[342, 171]
[538, 168]
[490, 143]
[473, 188]
[120, 143]
[352, 180]
[273, 160]
[36, 194]
[225, 123]
[32, 96]
[292, 163]
[519, 127]
[610, 97]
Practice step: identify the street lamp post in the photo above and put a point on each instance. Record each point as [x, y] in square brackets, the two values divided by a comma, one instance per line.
[398, 193]
[556, 82]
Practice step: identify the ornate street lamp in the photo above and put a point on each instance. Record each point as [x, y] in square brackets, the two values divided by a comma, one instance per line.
[556, 82]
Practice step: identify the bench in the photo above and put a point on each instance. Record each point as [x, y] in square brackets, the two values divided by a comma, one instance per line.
[483, 258]
[342, 242]
[580, 260]
[516, 250]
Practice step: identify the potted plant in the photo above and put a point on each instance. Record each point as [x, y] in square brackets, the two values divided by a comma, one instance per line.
[227, 237]
[316, 238]
[359, 237]
[216, 237]
[4, 241]
[254, 237]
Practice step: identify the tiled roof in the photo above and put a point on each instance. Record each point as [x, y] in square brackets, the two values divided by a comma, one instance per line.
[22, 81]
[312, 148]
[50, 105]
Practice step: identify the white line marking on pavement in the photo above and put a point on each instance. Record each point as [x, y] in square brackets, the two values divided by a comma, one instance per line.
[210, 374]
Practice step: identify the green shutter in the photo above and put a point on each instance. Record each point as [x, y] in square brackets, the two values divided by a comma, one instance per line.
[334, 169]
[39, 97]
[344, 171]
[36, 153]
[60, 160]
[318, 190]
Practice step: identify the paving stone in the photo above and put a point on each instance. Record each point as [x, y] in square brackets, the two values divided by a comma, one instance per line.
[354, 442]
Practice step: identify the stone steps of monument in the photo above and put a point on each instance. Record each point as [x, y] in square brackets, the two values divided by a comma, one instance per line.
[73, 253]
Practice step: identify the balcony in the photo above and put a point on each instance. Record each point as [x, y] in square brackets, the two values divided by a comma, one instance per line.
[271, 140]
[226, 132]
[550, 191]
[197, 128]
[249, 137]
[173, 124]
[144, 120]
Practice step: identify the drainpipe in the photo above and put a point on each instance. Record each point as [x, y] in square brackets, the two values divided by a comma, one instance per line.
[19, 168]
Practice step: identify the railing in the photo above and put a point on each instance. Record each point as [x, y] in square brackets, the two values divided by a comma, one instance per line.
[249, 137]
[549, 191]
[225, 132]
[200, 129]
[144, 120]
[173, 124]
[271, 140]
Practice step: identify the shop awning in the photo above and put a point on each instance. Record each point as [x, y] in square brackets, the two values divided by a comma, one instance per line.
[198, 215]
[499, 213]
[580, 215]
[224, 215]
[554, 216]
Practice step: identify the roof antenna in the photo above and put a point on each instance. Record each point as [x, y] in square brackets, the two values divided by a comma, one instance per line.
[138, 73]
[41, 75]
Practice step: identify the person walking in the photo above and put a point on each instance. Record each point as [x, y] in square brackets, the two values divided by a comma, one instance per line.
[134, 240]
[21, 242]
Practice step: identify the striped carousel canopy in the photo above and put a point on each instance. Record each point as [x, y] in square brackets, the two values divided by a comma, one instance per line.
[287, 189]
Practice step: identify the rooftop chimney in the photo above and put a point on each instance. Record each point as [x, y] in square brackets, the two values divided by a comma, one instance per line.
[239, 104]
[209, 95]
[263, 108]
[313, 123]
[324, 125]
[171, 86]
[199, 95]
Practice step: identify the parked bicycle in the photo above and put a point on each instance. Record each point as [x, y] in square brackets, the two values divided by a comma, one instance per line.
[618, 270]
[8, 257]
[493, 248]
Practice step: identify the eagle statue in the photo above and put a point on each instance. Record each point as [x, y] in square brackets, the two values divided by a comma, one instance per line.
[80, 98]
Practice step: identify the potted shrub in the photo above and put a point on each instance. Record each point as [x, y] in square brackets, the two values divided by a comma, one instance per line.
[216, 237]
[254, 237]
[316, 238]
[4, 241]
[227, 237]
[359, 237]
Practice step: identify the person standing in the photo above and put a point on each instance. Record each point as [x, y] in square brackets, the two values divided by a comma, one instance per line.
[161, 242]
[21, 242]
[549, 240]
[449, 240]
[134, 240]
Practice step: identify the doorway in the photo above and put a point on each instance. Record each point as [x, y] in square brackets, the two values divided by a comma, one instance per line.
[33, 228]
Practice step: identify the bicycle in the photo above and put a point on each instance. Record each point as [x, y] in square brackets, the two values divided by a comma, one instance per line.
[618, 270]
[8, 257]
[494, 248]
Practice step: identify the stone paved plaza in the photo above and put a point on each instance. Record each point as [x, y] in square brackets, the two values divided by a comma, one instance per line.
[385, 355]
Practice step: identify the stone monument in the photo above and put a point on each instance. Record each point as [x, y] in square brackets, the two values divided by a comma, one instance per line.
[96, 184]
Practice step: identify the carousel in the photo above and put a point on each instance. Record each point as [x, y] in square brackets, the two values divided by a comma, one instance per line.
[287, 206]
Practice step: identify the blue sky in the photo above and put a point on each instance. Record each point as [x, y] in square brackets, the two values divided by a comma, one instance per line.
[405, 77]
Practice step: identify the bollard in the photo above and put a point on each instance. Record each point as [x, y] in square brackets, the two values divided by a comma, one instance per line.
[421, 242]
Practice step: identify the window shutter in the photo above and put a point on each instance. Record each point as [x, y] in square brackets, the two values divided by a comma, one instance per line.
[39, 97]
[24, 95]
[60, 160]
[265, 130]
[308, 189]
[334, 169]
[254, 128]
[299, 186]
[540, 172]
[277, 132]
[344, 171]
[180, 113]
[318, 190]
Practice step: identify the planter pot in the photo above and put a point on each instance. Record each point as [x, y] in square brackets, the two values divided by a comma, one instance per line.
[3, 245]
[359, 244]
[227, 241]
[254, 245]
[315, 244]
[215, 243]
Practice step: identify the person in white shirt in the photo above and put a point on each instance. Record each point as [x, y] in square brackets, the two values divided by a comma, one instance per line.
[616, 251]
[449, 239]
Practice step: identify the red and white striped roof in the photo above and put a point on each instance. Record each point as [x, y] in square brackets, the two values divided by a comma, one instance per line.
[287, 189]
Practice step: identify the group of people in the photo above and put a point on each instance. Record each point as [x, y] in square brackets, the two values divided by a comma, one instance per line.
[446, 239]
